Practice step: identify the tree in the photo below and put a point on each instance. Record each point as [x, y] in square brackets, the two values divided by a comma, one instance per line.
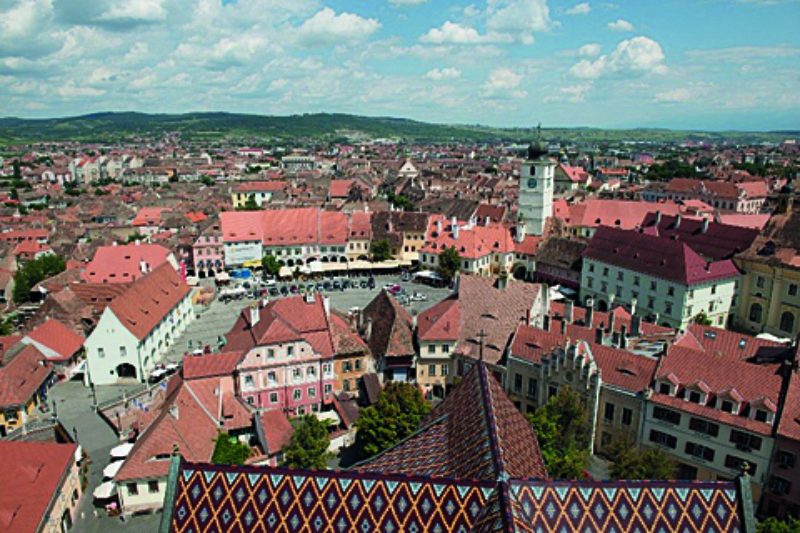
[208, 181]
[380, 250]
[563, 429]
[308, 447]
[270, 266]
[32, 272]
[775, 525]
[133, 237]
[229, 450]
[17, 175]
[632, 462]
[449, 263]
[396, 415]
[702, 319]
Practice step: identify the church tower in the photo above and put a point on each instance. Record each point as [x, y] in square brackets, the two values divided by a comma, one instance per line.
[536, 188]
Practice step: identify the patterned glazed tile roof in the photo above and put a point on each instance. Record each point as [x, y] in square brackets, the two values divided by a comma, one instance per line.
[218, 498]
[475, 433]
[625, 506]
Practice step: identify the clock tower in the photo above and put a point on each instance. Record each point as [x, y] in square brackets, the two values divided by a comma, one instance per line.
[536, 177]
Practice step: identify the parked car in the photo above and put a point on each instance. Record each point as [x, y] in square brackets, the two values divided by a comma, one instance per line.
[394, 289]
[418, 297]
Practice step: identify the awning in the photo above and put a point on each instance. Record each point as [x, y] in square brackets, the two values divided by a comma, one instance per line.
[315, 266]
[78, 454]
[121, 451]
[105, 491]
[111, 470]
[222, 276]
[253, 263]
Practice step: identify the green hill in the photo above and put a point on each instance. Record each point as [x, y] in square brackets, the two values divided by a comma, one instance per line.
[110, 127]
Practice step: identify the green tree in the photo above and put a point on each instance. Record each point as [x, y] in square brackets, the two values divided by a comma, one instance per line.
[775, 525]
[380, 250]
[449, 263]
[563, 429]
[229, 450]
[32, 272]
[632, 462]
[17, 175]
[5, 325]
[396, 415]
[399, 201]
[208, 181]
[270, 266]
[250, 204]
[308, 447]
[133, 237]
[702, 319]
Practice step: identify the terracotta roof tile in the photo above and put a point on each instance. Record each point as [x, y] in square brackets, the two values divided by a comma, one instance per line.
[58, 337]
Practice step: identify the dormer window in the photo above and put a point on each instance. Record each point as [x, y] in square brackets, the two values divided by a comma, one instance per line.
[762, 415]
[727, 406]
[665, 388]
[695, 397]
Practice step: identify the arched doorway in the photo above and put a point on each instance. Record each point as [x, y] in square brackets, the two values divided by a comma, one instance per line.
[126, 370]
[520, 272]
[602, 306]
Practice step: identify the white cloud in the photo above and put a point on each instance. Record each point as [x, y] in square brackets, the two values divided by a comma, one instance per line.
[589, 50]
[133, 12]
[25, 30]
[636, 56]
[503, 83]
[518, 19]
[71, 90]
[453, 33]
[572, 93]
[579, 9]
[327, 28]
[407, 2]
[620, 25]
[681, 94]
[446, 73]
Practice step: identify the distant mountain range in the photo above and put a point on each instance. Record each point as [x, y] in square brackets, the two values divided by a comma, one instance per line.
[109, 127]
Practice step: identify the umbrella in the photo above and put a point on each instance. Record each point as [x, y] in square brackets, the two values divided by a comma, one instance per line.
[106, 490]
[111, 470]
[121, 451]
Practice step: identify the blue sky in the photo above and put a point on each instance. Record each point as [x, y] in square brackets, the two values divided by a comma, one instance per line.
[709, 64]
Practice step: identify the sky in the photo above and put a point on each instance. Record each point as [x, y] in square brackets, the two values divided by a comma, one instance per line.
[693, 64]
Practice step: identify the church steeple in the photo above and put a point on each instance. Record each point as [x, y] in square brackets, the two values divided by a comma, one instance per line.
[537, 150]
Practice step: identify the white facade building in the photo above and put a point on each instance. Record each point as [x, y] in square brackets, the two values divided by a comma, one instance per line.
[537, 175]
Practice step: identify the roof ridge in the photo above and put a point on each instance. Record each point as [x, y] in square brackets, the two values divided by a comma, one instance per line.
[491, 421]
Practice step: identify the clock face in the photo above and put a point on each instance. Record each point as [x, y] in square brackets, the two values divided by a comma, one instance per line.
[532, 183]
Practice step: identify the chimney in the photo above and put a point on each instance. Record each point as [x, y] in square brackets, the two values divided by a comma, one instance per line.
[589, 312]
[704, 227]
[623, 337]
[636, 325]
[545, 322]
[615, 339]
[368, 330]
[360, 320]
[568, 311]
[502, 282]
[309, 297]
[611, 321]
[598, 335]
[677, 221]
[255, 315]
[487, 221]
[454, 228]
[438, 227]
[563, 327]
[634, 303]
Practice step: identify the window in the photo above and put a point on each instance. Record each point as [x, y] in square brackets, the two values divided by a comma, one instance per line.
[532, 387]
[704, 426]
[779, 485]
[745, 441]
[694, 396]
[297, 394]
[270, 352]
[667, 415]
[620, 276]
[346, 367]
[272, 378]
[760, 282]
[358, 364]
[590, 282]
[651, 302]
[635, 281]
[670, 291]
[432, 370]
[444, 369]
[431, 348]
[668, 308]
[133, 489]
[591, 267]
[273, 397]
[618, 291]
[608, 413]
[785, 459]
[290, 351]
[248, 382]
[627, 416]
[727, 406]
[123, 351]
[445, 348]
[326, 367]
[792, 289]
[311, 372]
[328, 388]
[713, 289]
[735, 463]
[664, 439]
[605, 271]
[761, 415]
[346, 385]
[552, 391]
[701, 452]
[653, 286]
[297, 374]
[604, 286]
[517, 383]
[312, 392]
[101, 353]
[755, 313]
[787, 321]
[664, 388]
[152, 487]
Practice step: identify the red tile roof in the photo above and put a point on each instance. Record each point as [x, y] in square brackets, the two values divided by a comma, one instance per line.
[285, 227]
[655, 256]
[148, 300]
[789, 425]
[473, 241]
[717, 241]
[625, 214]
[215, 364]
[261, 186]
[122, 264]
[340, 188]
[34, 473]
[149, 216]
[441, 322]
[574, 174]
[58, 337]
[277, 430]
[22, 376]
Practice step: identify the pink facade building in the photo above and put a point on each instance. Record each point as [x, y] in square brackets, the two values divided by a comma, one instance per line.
[288, 354]
[209, 254]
